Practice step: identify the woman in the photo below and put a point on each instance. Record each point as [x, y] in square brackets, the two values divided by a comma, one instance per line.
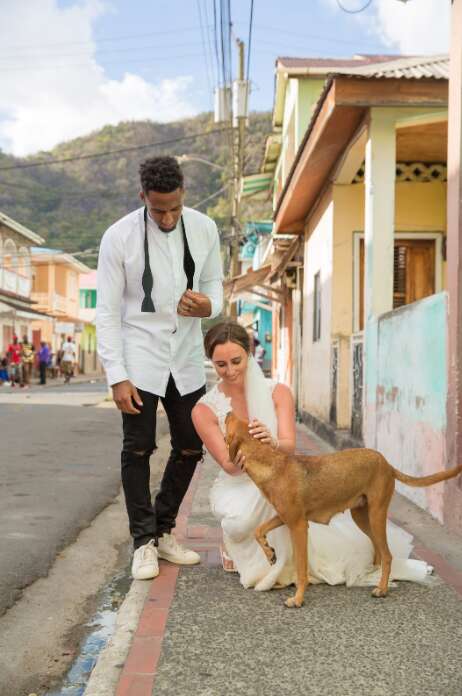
[338, 552]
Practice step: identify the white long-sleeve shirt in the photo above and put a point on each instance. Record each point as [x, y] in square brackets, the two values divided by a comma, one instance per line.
[145, 347]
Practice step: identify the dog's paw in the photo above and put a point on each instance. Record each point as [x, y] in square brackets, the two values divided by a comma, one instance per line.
[378, 592]
[271, 555]
[292, 602]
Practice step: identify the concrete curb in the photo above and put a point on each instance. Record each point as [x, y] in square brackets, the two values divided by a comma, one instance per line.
[106, 674]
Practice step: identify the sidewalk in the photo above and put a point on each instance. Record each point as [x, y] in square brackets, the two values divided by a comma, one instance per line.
[199, 632]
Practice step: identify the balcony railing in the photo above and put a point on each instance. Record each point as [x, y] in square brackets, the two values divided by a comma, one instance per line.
[357, 376]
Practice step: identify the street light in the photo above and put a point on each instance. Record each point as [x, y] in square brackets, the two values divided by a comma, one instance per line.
[192, 158]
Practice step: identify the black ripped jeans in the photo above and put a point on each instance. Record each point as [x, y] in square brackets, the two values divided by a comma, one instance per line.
[147, 521]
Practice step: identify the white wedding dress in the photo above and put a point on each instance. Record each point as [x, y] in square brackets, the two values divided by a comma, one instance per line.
[337, 553]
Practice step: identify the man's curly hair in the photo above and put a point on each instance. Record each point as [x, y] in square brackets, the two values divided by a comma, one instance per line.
[161, 174]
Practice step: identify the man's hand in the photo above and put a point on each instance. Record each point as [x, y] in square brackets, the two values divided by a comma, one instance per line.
[124, 394]
[194, 304]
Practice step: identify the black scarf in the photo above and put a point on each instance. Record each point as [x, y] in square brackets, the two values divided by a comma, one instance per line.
[147, 280]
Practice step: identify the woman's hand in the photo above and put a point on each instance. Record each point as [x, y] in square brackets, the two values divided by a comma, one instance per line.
[260, 432]
[239, 461]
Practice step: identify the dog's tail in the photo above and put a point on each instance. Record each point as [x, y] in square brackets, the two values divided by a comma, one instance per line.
[421, 482]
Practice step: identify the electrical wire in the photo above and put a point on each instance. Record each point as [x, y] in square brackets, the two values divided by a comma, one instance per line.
[361, 9]
[177, 31]
[208, 27]
[204, 47]
[249, 41]
[110, 153]
[215, 30]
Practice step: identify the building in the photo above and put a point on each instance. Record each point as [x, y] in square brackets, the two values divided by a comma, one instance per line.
[55, 289]
[363, 189]
[89, 362]
[17, 308]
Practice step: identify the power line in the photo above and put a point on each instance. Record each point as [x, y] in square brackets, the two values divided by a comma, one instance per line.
[91, 65]
[215, 31]
[177, 31]
[110, 153]
[214, 65]
[97, 51]
[204, 47]
[249, 42]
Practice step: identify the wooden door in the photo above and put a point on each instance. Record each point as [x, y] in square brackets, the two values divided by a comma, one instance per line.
[413, 272]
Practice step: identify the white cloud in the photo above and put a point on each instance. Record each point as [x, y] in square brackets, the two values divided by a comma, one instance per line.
[413, 27]
[44, 104]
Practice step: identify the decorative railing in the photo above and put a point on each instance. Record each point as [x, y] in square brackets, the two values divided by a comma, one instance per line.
[357, 383]
[333, 382]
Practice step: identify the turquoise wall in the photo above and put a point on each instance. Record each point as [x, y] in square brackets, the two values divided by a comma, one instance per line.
[412, 361]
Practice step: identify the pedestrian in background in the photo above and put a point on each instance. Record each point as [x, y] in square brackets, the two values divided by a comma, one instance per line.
[4, 376]
[44, 359]
[13, 354]
[27, 357]
[259, 352]
[69, 357]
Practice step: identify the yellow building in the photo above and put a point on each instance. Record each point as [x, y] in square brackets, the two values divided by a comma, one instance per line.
[55, 289]
[365, 192]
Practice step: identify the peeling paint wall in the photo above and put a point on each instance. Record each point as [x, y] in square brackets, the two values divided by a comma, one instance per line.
[410, 394]
[317, 354]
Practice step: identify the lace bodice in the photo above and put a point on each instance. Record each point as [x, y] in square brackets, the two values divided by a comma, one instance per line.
[220, 404]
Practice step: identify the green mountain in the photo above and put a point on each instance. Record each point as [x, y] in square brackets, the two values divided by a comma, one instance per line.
[71, 203]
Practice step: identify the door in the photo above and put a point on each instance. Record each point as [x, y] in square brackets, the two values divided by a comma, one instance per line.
[413, 273]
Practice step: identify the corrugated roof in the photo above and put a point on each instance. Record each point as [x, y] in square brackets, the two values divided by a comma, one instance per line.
[407, 67]
[391, 66]
[315, 66]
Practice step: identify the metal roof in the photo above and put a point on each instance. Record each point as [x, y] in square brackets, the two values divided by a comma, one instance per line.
[407, 67]
[391, 66]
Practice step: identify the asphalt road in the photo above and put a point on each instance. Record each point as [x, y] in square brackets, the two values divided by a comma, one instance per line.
[59, 467]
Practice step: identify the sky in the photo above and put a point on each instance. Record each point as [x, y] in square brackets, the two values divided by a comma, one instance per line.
[69, 67]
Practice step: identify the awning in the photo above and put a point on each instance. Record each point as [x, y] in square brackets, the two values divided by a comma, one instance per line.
[22, 309]
[252, 282]
[284, 260]
[256, 183]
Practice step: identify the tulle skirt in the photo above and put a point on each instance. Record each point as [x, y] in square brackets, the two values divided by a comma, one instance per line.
[338, 553]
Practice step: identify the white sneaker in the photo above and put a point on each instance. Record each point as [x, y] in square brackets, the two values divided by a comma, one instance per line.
[170, 550]
[145, 565]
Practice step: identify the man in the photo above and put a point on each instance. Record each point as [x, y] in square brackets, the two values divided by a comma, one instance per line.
[44, 359]
[27, 355]
[13, 353]
[68, 359]
[159, 273]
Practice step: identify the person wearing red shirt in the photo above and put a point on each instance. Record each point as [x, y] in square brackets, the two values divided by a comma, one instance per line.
[13, 353]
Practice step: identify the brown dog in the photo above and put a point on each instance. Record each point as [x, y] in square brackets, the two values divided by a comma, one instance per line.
[304, 488]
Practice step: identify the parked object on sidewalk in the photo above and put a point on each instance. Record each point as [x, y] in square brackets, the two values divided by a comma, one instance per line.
[306, 489]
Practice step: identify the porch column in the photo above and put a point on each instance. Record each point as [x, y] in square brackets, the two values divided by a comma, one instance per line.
[380, 167]
[453, 490]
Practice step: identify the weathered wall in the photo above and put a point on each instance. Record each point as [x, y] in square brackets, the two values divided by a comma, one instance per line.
[411, 374]
[317, 355]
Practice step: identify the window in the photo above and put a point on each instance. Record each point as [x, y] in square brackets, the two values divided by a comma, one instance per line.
[317, 307]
